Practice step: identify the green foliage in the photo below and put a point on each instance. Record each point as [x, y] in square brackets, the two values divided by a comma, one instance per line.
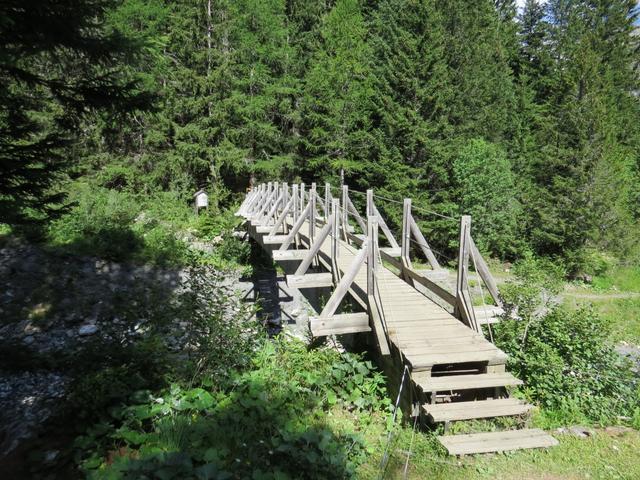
[121, 226]
[532, 127]
[565, 357]
[270, 423]
[50, 77]
[487, 193]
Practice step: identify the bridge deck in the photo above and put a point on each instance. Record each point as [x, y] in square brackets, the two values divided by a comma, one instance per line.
[424, 332]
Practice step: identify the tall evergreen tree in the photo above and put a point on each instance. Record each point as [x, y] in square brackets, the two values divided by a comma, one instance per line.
[337, 97]
[57, 61]
[412, 91]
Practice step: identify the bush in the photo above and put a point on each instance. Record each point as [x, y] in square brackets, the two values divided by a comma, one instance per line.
[565, 357]
[120, 226]
[269, 423]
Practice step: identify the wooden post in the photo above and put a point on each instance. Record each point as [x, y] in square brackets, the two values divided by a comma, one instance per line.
[464, 306]
[370, 207]
[312, 213]
[345, 216]
[302, 200]
[405, 248]
[327, 201]
[341, 177]
[294, 195]
[372, 240]
[285, 202]
[372, 277]
[335, 239]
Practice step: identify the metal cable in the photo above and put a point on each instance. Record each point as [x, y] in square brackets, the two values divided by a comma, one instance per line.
[385, 455]
[413, 434]
[413, 207]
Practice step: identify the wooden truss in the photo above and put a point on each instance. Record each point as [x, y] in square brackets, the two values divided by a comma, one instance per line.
[288, 220]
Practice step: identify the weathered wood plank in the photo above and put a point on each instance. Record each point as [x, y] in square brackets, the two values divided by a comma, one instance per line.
[468, 382]
[289, 255]
[310, 280]
[445, 412]
[488, 442]
[339, 324]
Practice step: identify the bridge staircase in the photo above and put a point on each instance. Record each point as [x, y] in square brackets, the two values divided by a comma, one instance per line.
[422, 329]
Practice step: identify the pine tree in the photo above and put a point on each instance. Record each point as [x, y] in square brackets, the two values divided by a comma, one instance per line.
[50, 76]
[595, 115]
[412, 91]
[337, 97]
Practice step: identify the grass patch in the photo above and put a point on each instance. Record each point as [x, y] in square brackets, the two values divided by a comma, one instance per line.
[601, 456]
[622, 279]
[622, 314]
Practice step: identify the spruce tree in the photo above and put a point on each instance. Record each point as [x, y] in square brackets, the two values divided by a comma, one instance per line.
[337, 97]
[57, 62]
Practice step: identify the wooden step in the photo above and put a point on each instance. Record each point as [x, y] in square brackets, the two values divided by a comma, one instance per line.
[286, 255]
[264, 228]
[497, 441]
[503, 407]
[468, 382]
[423, 360]
[273, 239]
[310, 280]
[339, 324]
[392, 252]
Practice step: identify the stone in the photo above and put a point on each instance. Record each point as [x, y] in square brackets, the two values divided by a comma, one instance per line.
[28, 340]
[87, 330]
[581, 432]
[616, 431]
[51, 455]
[30, 329]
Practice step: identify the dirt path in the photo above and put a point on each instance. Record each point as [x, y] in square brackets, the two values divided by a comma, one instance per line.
[602, 296]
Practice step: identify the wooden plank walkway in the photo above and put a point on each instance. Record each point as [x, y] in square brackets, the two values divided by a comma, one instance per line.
[455, 373]
[424, 332]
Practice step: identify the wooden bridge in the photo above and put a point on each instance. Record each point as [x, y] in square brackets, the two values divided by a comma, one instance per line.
[421, 328]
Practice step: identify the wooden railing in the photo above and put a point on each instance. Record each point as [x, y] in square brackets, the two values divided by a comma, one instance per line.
[269, 206]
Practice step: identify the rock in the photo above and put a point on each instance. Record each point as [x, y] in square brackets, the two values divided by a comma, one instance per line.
[28, 340]
[581, 432]
[30, 329]
[87, 330]
[50, 456]
[617, 430]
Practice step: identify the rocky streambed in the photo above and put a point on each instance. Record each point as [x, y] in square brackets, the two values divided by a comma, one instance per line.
[60, 311]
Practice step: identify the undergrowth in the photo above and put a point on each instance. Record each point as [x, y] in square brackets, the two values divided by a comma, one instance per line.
[157, 229]
[267, 421]
[565, 358]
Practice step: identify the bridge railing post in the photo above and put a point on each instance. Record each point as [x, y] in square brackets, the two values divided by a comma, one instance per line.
[285, 202]
[327, 201]
[312, 213]
[372, 254]
[345, 213]
[464, 306]
[335, 240]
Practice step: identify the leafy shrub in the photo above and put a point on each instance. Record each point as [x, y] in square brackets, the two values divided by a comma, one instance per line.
[564, 357]
[223, 331]
[111, 224]
[270, 423]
